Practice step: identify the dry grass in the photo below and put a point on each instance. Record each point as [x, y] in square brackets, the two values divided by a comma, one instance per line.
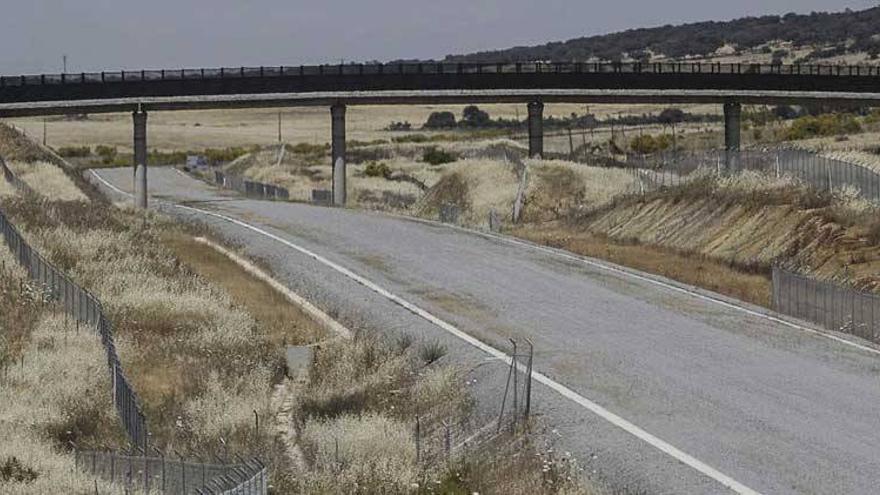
[6, 189]
[55, 390]
[713, 275]
[356, 413]
[278, 318]
[48, 181]
[556, 187]
[199, 362]
[519, 464]
[476, 187]
[868, 160]
[182, 130]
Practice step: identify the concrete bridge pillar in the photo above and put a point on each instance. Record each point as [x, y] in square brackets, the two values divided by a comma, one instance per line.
[536, 129]
[732, 119]
[337, 115]
[140, 158]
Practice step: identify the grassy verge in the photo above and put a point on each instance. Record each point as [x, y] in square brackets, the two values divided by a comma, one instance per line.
[55, 390]
[281, 321]
[717, 276]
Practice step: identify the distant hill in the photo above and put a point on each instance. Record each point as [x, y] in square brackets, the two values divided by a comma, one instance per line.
[844, 37]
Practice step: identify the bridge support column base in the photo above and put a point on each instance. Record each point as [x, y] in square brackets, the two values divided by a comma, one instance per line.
[536, 129]
[337, 116]
[140, 158]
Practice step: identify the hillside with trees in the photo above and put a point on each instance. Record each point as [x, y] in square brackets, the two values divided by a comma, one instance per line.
[825, 36]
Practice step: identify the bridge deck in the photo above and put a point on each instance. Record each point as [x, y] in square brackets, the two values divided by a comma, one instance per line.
[434, 83]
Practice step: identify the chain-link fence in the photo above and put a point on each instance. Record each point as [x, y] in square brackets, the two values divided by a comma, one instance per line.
[12, 179]
[162, 474]
[248, 478]
[250, 189]
[831, 306]
[819, 172]
[85, 309]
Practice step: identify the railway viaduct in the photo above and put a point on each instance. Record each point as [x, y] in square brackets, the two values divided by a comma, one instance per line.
[337, 86]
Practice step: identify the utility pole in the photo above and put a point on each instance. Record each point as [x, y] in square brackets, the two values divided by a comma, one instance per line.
[279, 126]
[64, 63]
[44, 131]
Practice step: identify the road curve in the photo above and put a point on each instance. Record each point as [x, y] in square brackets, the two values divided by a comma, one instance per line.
[753, 405]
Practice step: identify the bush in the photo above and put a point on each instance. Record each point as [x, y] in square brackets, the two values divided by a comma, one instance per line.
[14, 471]
[399, 126]
[431, 351]
[472, 116]
[411, 138]
[379, 169]
[440, 120]
[822, 125]
[647, 143]
[436, 156]
[74, 151]
[224, 154]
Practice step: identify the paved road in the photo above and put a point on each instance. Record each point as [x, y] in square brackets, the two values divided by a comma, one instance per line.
[741, 399]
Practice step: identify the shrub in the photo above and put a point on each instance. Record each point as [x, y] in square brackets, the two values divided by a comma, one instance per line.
[310, 149]
[647, 143]
[399, 126]
[74, 151]
[472, 116]
[412, 138]
[13, 470]
[377, 169]
[822, 125]
[102, 150]
[440, 120]
[431, 351]
[223, 154]
[435, 156]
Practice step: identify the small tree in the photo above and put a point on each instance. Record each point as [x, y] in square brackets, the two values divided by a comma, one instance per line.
[472, 116]
[440, 120]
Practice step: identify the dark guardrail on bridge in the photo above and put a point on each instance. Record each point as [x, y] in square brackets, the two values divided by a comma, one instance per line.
[436, 76]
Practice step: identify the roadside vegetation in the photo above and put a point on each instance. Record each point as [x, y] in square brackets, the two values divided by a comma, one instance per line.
[203, 342]
[55, 390]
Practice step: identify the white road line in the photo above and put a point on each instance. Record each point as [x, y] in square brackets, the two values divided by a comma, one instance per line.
[566, 392]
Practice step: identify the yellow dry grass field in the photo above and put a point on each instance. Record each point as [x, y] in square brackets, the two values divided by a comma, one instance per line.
[184, 130]
[48, 181]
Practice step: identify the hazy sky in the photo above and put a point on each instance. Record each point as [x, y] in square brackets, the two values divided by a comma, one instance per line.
[111, 34]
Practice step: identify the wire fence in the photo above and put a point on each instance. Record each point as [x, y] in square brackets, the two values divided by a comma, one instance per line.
[162, 474]
[251, 189]
[249, 478]
[833, 307]
[12, 179]
[85, 309]
[819, 172]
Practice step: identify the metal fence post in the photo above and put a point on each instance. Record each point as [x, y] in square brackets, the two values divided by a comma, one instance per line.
[418, 441]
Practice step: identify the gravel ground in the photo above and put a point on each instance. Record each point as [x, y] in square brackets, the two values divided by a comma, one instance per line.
[777, 409]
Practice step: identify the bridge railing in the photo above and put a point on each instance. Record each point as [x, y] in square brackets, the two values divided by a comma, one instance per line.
[439, 68]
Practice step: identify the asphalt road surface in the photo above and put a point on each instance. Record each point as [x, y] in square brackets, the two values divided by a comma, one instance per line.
[650, 388]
